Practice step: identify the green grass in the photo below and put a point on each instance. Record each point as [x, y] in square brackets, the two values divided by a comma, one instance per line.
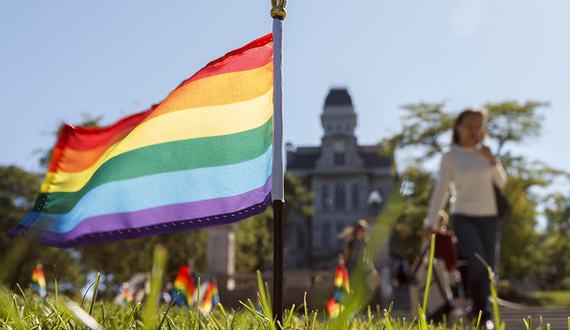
[552, 298]
[20, 310]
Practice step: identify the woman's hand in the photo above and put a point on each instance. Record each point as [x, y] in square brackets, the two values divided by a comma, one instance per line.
[489, 155]
[426, 234]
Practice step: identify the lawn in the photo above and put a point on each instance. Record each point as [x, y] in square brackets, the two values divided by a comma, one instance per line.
[20, 310]
[552, 298]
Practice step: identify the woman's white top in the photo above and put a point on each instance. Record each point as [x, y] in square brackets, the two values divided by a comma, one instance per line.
[469, 177]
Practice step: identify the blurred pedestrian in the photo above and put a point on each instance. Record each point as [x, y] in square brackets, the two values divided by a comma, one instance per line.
[468, 171]
[355, 249]
[446, 249]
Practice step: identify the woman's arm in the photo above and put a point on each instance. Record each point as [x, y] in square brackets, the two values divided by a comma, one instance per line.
[499, 176]
[441, 193]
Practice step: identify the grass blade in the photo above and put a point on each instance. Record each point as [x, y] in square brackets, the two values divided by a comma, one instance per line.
[157, 272]
[80, 315]
[94, 297]
[168, 309]
[430, 270]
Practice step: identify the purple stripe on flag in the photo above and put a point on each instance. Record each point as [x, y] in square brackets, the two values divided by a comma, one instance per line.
[158, 220]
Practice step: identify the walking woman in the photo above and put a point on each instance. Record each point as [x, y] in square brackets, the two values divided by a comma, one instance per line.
[468, 172]
[355, 237]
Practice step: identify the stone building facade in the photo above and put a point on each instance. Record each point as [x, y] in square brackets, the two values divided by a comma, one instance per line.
[349, 181]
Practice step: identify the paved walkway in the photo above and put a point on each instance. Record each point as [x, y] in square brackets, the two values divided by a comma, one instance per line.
[511, 314]
[556, 317]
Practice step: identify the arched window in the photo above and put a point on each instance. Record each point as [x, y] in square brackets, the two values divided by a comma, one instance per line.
[326, 235]
[355, 197]
[325, 197]
[339, 197]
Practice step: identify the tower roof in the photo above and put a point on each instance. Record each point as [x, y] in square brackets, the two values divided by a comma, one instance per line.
[338, 96]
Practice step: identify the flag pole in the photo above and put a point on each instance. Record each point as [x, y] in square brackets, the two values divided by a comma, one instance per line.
[278, 14]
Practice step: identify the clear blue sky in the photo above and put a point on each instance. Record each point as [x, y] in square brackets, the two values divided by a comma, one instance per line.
[62, 59]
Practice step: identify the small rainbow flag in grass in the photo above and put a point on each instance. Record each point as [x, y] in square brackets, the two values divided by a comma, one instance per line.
[211, 298]
[127, 295]
[200, 158]
[341, 287]
[184, 283]
[39, 281]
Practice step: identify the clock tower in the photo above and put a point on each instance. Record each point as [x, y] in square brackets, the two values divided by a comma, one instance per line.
[342, 176]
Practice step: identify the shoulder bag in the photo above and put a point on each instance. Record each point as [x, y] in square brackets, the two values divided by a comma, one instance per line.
[503, 207]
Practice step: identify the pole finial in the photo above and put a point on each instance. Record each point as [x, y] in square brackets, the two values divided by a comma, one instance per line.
[278, 10]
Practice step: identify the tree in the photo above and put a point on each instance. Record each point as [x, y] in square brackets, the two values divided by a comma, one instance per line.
[254, 243]
[416, 189]
[519, 239]
[254, 239]
[423, 130]
[555, 245]
[422, 127]
[18, 191]
[513, 122]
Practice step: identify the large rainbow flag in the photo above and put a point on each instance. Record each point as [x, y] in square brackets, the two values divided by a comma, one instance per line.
[200, 158]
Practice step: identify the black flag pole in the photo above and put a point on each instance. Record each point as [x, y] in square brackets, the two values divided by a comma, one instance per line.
[278, 14]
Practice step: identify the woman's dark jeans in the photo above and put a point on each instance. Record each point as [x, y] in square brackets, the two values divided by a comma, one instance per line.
[477, 235]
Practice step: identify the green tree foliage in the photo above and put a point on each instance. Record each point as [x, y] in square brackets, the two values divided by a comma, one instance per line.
[423, 130]
[416, 189]
[423, 125]
[519, 239]
[555, 251]
[254, 238]
[254, 243]
[513, 122]
[18, 256]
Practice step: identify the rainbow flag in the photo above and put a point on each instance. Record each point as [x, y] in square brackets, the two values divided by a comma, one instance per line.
[39, 281]
[184, 282]
[200, 158]
[211, 298]
[342, 287]
[127, 295]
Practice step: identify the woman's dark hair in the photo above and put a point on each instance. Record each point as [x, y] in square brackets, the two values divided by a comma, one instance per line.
[459, 120]
[359, 225]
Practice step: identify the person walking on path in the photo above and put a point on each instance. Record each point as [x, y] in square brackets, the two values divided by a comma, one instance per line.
[468, 171]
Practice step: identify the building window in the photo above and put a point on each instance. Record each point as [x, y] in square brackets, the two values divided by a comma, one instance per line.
[339, 229]
[326, 235]
[326, 200]
[338, 158]
[355, 197]
[339, 197]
